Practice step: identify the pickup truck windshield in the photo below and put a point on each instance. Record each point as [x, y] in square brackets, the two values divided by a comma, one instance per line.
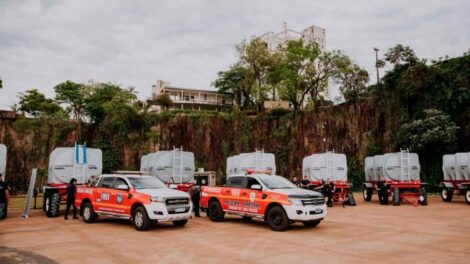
[147, 183]
[277, 182]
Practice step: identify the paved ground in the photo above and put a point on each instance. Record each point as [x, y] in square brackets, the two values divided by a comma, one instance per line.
[367, 233]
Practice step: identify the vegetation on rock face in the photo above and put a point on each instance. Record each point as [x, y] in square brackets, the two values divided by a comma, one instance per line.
[418, 105]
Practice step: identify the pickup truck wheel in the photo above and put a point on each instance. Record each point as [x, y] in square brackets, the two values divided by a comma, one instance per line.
[277, 219]
[88, 214]
[215, 211]
[52, 204]
[447, 194]
[141, 219]
[467, 196]
[367, 194]
[180, 222]
[311, 223]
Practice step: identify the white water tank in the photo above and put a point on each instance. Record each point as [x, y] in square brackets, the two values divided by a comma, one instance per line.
[448, 167]
[369, 169]
[3, 160]
[325, 166]
[61, 165]
[393, 166]
[254, 160]
[160, 164]
[462, 166]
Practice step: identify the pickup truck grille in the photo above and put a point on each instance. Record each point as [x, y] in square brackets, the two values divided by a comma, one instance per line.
[313, 201]
[177, 201]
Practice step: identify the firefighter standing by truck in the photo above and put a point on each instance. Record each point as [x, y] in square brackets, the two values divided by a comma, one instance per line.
[4, 198]
[71, 191]
[195, 195]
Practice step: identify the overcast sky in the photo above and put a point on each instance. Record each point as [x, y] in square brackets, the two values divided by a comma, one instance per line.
[134, 43]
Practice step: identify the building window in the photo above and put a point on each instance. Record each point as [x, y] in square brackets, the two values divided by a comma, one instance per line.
[205, 97]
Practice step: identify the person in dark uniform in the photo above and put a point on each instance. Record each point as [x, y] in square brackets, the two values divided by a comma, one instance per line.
[383, 187]
[4, 198]
[195, 198]
[328, 189]
[305, 182]
[71, 191]
[296, 181]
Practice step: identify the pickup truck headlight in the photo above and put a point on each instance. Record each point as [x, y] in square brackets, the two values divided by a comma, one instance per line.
[157, 199]
[296, 202]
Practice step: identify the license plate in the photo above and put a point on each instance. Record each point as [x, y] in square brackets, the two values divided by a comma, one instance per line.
[180, 210]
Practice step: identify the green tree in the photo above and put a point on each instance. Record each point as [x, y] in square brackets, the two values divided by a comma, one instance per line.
[164, 101]
[435, 133]
[257, 59]
[400, 54]
[351, 78]
[73, 95]
[99, 94]
[297, 65]
[36, 104]
[234, 81]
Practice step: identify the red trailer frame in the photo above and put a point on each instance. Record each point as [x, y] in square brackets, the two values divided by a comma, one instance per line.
[412, 192]
[342, 193]
[450, 187]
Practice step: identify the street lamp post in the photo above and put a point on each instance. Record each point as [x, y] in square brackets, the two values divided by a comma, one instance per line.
[376, 63]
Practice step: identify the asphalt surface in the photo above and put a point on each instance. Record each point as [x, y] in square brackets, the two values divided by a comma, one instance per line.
[367, 233]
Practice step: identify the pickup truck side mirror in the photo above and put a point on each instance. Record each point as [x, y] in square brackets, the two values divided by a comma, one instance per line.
[256, 187]
[123, 187]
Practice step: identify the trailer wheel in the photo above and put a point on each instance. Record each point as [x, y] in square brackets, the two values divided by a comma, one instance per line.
[180, 222]
[215, 211]
[467, 196]
[141, 219]
[277, 219]
[367, 194]
[52, 203]
[423, 197]
[447, 194]
[88, 214]
[311, 223]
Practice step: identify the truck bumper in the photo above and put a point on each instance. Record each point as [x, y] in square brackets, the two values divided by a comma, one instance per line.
[306, 213]
[159, 212]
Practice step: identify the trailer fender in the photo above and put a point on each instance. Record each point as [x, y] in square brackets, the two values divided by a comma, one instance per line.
[368, 185]
[446, 185]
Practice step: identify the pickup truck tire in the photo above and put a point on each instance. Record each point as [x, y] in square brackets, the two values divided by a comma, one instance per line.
[311, 223]
[277, 219]
[141, 219]
[215, 212]
[52, 203]
[467, 196]
[447, 194]
[88, 214]
[180, 222]
[367, 194]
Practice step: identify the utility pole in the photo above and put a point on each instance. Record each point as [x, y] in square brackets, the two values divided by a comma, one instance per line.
[376, 63]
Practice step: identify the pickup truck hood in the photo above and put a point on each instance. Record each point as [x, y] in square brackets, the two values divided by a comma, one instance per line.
[166, 193]
[297, 191]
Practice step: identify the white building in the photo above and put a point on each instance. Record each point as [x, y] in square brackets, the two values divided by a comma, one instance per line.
[312, 34]
[189, 98]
